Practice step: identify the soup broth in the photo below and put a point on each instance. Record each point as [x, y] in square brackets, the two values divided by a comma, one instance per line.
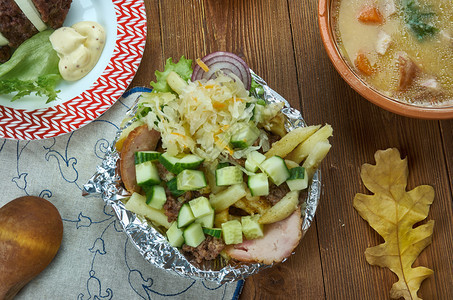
[402, 48]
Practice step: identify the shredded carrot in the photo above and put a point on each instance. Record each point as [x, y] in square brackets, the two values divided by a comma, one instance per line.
[202, 65]
[218, 105]
[178, 134]
[209, 86]
[370, 15]
[216, 139]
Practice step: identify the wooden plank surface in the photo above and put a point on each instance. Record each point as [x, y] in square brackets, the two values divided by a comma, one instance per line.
[280, 41]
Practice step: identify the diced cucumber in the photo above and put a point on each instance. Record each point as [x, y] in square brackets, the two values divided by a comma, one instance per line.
[189, 161]
[147, 174]
[251, 228]
[193, 235]
[175, 235]
[276, 169]
[168, 161]
[155, 196]
[245, 136]
[185, 215]
[215, 232]
[137, 204]
[190, 180]
[298, 179]
[232, 232]
[200, 207]
[176, 164]
[172, 186]
[228, 197]
[143, 156]
[228, 176]
[258, 184]
[208, 220]
[254, 159]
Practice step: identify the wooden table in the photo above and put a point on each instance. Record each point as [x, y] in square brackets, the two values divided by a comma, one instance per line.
[280, 41]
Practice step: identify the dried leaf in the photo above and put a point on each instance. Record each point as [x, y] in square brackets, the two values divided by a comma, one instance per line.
[392, 212]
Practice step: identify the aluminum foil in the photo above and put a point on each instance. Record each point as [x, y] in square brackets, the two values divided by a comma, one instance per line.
[152, 245]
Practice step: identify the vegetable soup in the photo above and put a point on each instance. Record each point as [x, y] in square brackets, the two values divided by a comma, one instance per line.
[402, 48]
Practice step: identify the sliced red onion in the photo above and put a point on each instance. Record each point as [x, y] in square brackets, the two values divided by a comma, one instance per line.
[226, 62]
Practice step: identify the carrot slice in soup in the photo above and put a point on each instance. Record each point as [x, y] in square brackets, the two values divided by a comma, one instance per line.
[363, 64]
[370, 15]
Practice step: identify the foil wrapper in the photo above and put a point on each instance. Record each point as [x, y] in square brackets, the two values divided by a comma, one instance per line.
[152, 244]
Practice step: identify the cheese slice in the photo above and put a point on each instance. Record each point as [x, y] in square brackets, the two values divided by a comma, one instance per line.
[3, 40]
[30, 11]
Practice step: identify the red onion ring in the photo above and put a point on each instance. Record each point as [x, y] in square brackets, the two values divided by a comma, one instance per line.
[228, 63]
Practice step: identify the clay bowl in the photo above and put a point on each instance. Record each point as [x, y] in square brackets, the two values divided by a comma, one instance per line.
[409, 110]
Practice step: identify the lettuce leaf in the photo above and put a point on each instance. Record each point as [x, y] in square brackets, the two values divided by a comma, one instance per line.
[33, 68]
[183, 68]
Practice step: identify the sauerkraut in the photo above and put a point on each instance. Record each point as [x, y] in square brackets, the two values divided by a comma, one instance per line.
[203, 117]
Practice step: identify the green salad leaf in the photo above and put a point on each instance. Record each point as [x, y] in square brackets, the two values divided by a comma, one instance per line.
[418, 20]
[33, 68]
[183, 68]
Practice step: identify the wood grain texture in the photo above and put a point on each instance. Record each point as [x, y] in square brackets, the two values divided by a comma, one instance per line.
[280, 41]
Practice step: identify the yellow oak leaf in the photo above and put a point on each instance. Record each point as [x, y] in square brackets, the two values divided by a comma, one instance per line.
[392, 212]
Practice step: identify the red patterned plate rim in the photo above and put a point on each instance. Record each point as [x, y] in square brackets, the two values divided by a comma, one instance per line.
[63, 118]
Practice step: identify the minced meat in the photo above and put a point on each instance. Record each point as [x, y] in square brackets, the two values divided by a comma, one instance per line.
[209, 249]
[171, 207]
[276, 193]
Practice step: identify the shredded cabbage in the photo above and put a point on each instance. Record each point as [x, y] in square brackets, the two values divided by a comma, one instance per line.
[203, 117]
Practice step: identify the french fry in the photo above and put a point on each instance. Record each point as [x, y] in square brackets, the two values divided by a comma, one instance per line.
[277, 125]
[244, 205]
[290, 141]
[260, 205]
[228, 197]
[303, 150]
[290, 164]
[282, 209]
[315, 157]
[137, 204]
[221, 217]
[255, 205]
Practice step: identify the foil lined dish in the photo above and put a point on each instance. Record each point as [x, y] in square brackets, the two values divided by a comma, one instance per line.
[152, 244]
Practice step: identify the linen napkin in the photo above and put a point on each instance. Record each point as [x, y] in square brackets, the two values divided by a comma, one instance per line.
[96, 259]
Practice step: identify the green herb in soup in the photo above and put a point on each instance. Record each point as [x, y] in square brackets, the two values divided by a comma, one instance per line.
[417, 19]
[402, 48]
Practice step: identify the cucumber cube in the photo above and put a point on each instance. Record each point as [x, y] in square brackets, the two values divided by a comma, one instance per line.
[258, 184]
[194, 235]
[251, 228]
[200, 207]
[254, 159]
[175, 235]
[276, 169]
[298, 179]
[232, 232]
[190, 180]
[245, 136]
[185, 215]
[208, 220]
[147, 174]
[228, 176]
[156, 197]
[215, 232]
